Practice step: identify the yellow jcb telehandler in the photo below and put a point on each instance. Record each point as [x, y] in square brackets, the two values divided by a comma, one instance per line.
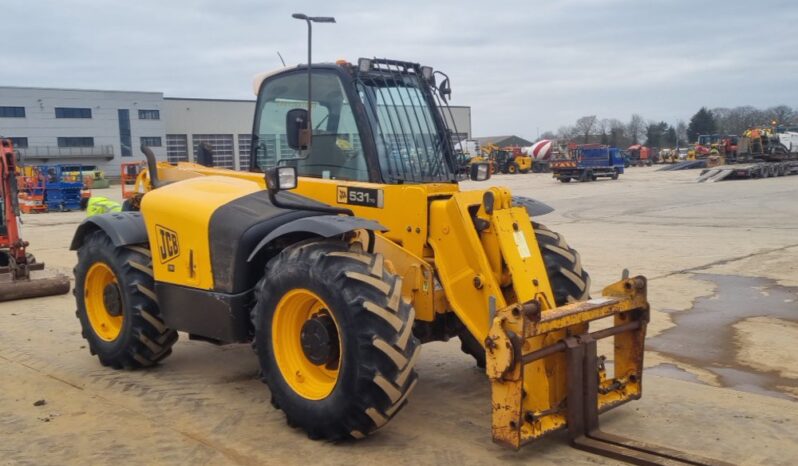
[348, 245]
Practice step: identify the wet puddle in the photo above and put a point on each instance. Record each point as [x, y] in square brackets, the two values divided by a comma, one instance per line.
[704, 336]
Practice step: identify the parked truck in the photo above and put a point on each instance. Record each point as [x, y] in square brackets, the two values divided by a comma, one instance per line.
[638, 155]
[587, 162]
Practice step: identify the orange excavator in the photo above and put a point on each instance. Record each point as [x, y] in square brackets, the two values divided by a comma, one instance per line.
[16, 263]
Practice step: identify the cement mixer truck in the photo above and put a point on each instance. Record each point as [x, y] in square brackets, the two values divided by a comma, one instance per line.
[541, 153]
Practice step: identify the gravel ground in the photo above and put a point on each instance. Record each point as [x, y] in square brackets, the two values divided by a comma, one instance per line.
[722, 378]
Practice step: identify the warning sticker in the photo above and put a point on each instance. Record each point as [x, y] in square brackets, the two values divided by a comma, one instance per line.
[520, 243]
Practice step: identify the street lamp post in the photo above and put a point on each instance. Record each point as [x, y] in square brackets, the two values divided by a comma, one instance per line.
[306, 137]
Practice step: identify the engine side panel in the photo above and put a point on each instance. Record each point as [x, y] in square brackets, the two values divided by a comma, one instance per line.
[177, 217]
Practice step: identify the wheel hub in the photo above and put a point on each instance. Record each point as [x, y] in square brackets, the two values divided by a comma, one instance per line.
[319, 338]
[112, 299]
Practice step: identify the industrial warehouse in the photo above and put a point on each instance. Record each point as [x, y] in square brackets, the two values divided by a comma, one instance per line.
[396, 254]
[105, 128]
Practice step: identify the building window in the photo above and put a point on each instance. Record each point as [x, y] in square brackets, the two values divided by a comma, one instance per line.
[12, 112]
[19, 143]
[149, 114]
[151, 141]
[244, 145]
[69, 112]
[176, 148]
[76, 142]
[125, 139]
[222, 145]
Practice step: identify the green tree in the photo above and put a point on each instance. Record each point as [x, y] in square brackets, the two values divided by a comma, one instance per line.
[669, 139]
[703, 122]
[655, 134]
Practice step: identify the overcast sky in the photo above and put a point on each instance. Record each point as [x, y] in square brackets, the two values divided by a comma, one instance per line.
[523, 66]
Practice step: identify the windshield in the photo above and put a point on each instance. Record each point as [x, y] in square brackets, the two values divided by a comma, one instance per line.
[336, 152]
[411, 145]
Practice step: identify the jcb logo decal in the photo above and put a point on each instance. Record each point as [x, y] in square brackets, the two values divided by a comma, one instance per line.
[343, 194]
[168, 245]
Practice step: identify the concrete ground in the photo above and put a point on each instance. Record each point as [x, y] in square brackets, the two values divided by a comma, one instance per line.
[722, 377]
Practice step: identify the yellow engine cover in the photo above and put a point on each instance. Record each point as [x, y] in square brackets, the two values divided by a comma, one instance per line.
[177, 218]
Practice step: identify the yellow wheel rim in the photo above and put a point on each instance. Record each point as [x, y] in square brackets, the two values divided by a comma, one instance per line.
[99, 292]
[308, 379]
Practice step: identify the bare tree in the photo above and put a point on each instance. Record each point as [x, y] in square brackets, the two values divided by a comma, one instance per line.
[617, 132]
[681, 133]
[548, 135]
[635, 128]
[565, 133]
[781, 114]
[738, 119]
[603, 129]
[584, 127]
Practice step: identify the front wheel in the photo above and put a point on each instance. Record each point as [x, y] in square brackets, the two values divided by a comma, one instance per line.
[334, 339]
[512, 169]
[117, 307]
[569, 281]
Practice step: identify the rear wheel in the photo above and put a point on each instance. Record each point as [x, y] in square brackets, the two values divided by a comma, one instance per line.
[565, 179]
[117, 306]
[334, 339]
[569, 281]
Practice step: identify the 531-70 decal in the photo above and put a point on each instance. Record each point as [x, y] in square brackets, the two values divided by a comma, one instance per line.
[367, 197]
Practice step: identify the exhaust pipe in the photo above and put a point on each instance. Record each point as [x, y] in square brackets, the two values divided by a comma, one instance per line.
[152, 166]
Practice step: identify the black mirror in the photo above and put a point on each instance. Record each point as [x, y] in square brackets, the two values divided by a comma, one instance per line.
[444, 90]
[205, 155]
[296, 127]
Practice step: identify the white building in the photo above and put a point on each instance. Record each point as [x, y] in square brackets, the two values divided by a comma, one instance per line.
[102, 128]
[107, 128]
[225, 124]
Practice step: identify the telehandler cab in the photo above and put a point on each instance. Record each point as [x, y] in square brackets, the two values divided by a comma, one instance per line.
[347, 245]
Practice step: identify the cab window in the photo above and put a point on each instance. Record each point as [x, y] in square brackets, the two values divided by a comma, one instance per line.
[336, 151]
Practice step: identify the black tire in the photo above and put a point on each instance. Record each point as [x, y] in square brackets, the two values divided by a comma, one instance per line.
[615, 174]
[512, 168]
[565, 180]
[569, 281]
[379, 351]
[144, 339]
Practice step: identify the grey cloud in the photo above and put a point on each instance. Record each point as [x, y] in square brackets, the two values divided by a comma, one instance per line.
[521, 65]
